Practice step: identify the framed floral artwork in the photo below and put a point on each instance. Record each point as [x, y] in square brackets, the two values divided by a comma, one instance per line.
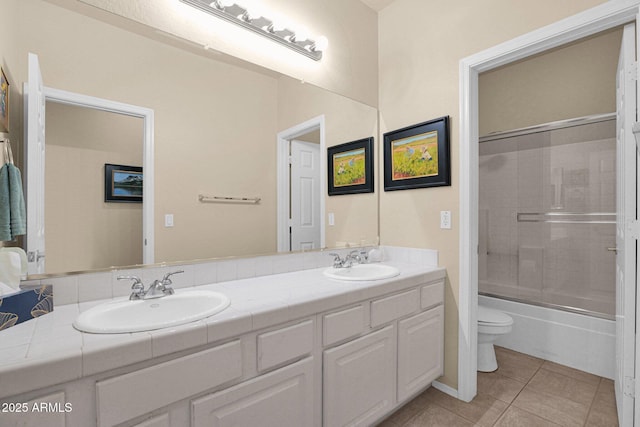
[350, 167]
[417, 156]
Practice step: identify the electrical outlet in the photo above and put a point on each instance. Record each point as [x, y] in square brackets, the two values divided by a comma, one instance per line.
[445, 220]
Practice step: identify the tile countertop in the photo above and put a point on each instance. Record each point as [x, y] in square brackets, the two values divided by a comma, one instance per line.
[49, 350]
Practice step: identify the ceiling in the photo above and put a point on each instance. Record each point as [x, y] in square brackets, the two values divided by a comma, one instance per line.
[377, 5]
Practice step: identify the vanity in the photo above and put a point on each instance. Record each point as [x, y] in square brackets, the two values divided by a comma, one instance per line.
[292, 349]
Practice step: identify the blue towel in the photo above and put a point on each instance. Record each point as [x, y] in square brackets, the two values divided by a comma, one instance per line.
[13, 218]
[18, 211]
[5, 205]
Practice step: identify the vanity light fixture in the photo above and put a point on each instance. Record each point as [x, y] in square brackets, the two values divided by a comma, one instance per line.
[253, 20]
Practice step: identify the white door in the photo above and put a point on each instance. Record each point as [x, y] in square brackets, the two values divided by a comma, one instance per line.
[305, 195]
[626, 201]
[34, 100]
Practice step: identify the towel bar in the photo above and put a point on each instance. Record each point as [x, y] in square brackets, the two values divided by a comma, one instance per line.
[216, 199]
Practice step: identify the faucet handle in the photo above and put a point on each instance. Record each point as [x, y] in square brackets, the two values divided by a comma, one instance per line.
[136, 280]
[137, 287]
[337, 261]
[166, 281]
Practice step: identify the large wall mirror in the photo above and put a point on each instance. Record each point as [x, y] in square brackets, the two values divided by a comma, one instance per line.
[215, 133]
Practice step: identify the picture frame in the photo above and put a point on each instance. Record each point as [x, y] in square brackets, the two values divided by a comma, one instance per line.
[123, 183]
[4, 102]
[418, 156]
[350, 167]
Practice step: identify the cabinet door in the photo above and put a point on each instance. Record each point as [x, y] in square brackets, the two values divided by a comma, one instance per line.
[359, 379]
[281, 398]
[157, 421]
[420, 351]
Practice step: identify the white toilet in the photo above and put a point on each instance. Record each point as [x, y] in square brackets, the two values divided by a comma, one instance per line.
[491, 325]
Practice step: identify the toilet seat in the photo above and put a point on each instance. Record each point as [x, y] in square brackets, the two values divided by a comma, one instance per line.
[490, 317]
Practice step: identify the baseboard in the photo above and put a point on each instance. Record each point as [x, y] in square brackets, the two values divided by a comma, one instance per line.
[445, 389]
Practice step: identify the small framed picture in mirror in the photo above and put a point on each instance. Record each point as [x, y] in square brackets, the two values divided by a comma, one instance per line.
[350, 167]
[123, 183]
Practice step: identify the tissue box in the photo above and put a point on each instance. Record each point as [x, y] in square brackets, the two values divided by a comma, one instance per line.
[25, 305]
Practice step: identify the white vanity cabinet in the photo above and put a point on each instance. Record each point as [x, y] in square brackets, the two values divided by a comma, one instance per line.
[341, 365]
[400, 354]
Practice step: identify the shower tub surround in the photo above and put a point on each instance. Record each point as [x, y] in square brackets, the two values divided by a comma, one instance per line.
[547, 216]
[321, 350]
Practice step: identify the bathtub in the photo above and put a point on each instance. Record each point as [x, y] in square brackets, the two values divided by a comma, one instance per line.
[576, 340]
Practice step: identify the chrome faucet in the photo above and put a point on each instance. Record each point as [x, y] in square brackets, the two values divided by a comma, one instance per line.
[157, 289]
[357, 255]
[339, 262]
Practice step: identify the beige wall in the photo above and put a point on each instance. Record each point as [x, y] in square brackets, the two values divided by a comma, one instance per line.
[573, 81]
[215, 125]
[348, 67]
[356, 216]
[215, 128]
[83, 231]
[420, 46]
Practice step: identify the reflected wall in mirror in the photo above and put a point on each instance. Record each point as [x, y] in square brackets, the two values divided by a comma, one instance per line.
[82, 232]
[216, 127]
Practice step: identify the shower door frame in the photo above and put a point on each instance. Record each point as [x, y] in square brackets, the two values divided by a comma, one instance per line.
[576, 27]
[553, 217]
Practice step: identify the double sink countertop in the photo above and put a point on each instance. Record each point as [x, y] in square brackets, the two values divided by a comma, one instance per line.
[49, 350]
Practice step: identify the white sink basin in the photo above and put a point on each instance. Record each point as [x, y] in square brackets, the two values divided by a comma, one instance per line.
[145, 315]
[362, 272]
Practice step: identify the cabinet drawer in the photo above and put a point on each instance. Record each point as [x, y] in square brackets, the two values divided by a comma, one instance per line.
[390, 308]
[283, 345]
[343, 324]
[128, 396]
[284, 397]
[432, 295]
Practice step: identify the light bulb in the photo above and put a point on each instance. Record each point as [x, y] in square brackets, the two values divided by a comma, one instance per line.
[254, 12]
[301, 34]
[321, 44]
[278, 23]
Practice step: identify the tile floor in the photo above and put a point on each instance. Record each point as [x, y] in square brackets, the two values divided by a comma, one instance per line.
[524, 391]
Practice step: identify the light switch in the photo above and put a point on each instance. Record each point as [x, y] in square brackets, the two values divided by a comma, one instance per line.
[332, 219]
[445, 220]
[168, 220]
